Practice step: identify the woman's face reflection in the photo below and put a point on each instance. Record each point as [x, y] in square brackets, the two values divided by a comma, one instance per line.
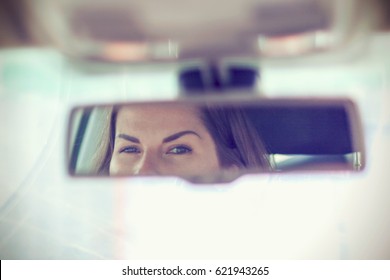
[162, 140]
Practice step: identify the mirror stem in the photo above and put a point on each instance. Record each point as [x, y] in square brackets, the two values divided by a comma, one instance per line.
[215, 77]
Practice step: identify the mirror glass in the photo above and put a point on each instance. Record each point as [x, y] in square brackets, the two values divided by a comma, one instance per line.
[214, 141]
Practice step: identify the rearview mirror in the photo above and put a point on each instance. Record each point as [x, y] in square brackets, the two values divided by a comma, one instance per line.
[210, 140]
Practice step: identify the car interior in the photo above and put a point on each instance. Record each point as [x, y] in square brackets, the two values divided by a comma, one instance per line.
[307, 80]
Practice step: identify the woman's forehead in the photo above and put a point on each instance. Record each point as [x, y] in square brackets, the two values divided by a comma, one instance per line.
[170, 115]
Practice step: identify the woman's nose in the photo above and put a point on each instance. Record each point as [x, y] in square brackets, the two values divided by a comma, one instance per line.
[147, 165]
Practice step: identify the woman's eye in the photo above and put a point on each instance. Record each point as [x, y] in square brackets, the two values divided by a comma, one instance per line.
[130, 150]
[179, 150]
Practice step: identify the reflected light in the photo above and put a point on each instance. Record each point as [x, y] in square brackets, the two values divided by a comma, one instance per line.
[134, 51]
[120, 51]
[290, 45]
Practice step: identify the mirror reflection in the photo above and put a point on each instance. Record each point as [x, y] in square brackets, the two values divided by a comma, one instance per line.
[210, 140]
[182, 140]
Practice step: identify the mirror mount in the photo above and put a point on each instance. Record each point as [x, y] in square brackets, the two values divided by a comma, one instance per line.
[216, 77]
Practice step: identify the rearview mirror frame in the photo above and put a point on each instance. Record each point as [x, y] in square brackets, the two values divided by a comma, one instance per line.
[343, 141]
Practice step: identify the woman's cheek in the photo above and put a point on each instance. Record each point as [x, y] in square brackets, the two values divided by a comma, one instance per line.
[121, 164]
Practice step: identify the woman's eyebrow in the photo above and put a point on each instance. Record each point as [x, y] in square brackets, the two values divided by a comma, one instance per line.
[129, 138]
[179, 134]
